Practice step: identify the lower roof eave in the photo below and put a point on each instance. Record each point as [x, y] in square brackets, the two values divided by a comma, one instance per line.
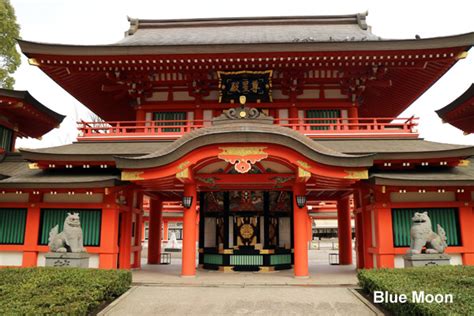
[430, 183]
[61, 185]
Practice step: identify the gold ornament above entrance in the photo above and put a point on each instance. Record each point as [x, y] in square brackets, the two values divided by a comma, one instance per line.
[242, 157]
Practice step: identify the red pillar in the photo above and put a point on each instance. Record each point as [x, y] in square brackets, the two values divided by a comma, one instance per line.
[466, 221]
[367, 220]
[109, 234]
[344, 231]
[359, 237]
[300, 220]
[188, 267]
[384, 237]
[125, 251]
[165, 230]
[353, 114]
[154, 231]
[30, 253]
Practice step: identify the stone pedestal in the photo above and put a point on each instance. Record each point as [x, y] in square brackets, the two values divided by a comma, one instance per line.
[426, 259]
[67, 259]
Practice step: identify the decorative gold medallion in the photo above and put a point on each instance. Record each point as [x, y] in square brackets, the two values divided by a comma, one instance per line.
[246, 231]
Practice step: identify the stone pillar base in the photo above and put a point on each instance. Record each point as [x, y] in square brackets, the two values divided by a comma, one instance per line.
[426, 259]
[67, 259]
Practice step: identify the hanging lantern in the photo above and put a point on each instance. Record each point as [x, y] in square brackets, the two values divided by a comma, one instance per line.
[301, 201]
[187, 201]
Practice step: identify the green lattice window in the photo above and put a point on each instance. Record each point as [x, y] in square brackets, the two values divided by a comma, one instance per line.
[324, 115]
[12, 226]
[6, 138]
[170, 116]
[90, 223]
[447, 217]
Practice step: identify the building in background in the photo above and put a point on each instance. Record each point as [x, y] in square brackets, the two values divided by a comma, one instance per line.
[243, 125]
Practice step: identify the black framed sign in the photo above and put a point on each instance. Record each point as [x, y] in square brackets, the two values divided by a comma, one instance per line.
[254, 85]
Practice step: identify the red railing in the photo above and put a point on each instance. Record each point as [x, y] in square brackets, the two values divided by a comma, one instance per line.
[311, 127]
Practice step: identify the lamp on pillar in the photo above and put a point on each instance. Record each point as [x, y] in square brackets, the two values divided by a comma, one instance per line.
[187, 201]
[301, 201]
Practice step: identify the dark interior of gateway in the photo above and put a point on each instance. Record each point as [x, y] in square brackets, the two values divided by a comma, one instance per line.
[246, 229]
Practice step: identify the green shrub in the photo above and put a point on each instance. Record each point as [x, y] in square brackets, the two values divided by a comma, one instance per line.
[456, 280]
[59, 290]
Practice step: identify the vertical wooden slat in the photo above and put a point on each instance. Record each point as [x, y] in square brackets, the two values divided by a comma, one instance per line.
[12, 226]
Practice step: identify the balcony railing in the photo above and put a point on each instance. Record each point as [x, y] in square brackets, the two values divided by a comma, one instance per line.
[311, 127]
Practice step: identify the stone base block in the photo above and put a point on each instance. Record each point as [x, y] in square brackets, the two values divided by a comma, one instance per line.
[67, 259]
[425, 259]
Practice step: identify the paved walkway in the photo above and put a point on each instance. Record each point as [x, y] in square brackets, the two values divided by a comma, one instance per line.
[233, 300]
[159, 290]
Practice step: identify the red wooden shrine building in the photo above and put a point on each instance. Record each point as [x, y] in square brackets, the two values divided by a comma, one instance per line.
[247, 123]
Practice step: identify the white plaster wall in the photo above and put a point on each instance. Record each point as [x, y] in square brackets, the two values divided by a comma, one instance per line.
[399, 263]
[277, 94]
[182, 96]
[310, 94]
[11, 258]
[190, 116]
[283, 114]
[213, 95]
[209, 232]
[372, 224]
[76, 198]
[13, 197]
[132, 258]
[456, 259]
[374, 260]
[422, 197]
[158, 96]
[41, 260]
[207, 117]
[333, 93]
[148, 117]
[284, 229]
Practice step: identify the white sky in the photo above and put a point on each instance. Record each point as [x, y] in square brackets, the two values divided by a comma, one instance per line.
[105, 21]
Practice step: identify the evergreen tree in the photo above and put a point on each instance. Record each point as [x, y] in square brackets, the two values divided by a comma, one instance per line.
[9, 32]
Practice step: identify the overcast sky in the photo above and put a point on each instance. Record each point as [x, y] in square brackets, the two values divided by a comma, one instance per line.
[105, 21]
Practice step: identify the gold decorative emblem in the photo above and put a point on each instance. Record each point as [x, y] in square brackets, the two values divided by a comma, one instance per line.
[132, 175]
[357, 174]
[33, 165]
[303, 175]
[303, 164]
[463, 163]
[242, 157]
[242, 114]
[246, 231]
[183, 165]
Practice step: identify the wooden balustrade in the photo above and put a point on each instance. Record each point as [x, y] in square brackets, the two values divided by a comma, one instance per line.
[311, 127]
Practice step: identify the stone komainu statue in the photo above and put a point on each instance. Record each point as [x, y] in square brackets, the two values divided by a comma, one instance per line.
[422, 235]
[70, 239]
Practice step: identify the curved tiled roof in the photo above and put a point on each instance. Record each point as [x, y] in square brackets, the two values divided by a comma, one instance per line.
[460, 175]
[49, 118]
[248, 30]
[460, 112]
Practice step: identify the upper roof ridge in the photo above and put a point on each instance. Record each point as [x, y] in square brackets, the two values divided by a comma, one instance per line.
[354, 19]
